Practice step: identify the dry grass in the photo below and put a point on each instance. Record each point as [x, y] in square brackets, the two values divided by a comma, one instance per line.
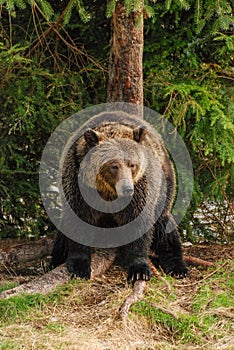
[86, 316]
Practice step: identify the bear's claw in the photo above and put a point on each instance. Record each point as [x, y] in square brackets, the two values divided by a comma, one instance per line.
[177, 270]
[79, 267]
[138, 272]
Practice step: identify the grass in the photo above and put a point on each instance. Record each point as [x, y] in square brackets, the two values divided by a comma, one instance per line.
[209, 309]
[7, 345]
[183, 329]
[7, 286]
[17, 308]
[196, 313]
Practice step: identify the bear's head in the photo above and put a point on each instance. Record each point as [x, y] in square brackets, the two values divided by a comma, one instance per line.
[113, 166]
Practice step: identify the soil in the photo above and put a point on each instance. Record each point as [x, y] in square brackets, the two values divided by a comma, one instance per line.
[211, 252]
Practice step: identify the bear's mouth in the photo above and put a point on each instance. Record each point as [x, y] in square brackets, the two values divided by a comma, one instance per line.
[124, 188]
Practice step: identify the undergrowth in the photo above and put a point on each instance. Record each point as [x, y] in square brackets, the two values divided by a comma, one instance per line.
[209, 304]
[194, 311]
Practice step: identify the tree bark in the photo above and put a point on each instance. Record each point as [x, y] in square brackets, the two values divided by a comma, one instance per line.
[100, 263]
[125, 65]
[19, 254]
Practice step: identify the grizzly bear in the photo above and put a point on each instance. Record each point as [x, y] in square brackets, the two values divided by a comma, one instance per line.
[119, 181]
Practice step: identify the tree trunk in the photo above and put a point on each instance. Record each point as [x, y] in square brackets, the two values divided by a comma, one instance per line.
[125, 66]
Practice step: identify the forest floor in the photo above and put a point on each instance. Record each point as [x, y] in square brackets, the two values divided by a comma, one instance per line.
[192, 313]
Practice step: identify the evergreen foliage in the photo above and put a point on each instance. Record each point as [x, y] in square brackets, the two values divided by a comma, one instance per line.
[53, 62]
[42, 83]
[192, 86]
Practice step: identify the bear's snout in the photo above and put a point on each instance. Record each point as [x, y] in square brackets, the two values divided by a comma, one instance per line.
[127, 190]
[124, 188]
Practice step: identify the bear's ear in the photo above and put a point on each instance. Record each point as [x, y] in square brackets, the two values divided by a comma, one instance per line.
[92, 137]
[139, 133]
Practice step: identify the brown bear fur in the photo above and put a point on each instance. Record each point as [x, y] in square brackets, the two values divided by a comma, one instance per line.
[149, 167]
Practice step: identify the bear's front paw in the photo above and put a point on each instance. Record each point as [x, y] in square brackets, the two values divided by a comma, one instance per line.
[139, 271]
[178, 269]
[79, 266]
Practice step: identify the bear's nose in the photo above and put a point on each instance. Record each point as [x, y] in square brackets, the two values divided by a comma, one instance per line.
[127, 190]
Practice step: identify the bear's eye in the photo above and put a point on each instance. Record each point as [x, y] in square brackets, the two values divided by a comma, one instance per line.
[114, 167]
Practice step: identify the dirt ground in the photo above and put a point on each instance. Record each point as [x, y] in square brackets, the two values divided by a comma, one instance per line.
[211, 252]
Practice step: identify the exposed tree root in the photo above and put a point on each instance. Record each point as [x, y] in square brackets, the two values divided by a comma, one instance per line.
[137, 293]
[190, 260]
[44, 284]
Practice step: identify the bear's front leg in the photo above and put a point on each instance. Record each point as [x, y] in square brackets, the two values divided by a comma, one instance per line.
[166, 244]
[79, 260]
[134, 258]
